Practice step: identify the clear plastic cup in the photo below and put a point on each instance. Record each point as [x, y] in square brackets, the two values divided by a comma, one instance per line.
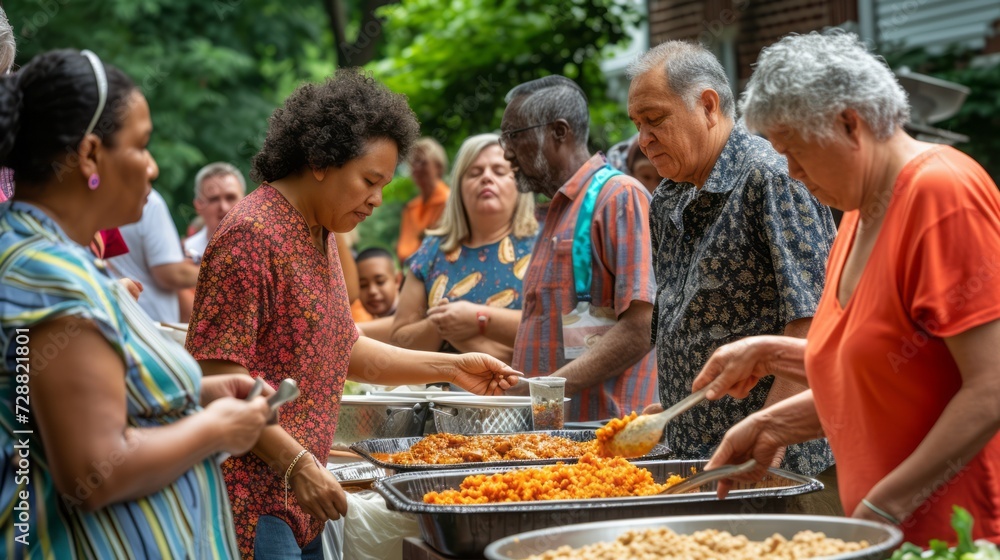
[547, 396]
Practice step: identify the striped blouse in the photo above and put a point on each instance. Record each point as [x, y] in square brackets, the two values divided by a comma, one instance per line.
[44, 275]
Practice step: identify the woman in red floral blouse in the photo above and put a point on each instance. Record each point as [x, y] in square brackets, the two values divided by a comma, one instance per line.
[271, 301]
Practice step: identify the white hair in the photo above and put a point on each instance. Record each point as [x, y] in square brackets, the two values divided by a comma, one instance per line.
[691, 69]
[8, 48]
[217, 169]
[805, 81]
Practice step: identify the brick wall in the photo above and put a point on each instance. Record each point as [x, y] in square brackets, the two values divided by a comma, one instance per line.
[756, 23]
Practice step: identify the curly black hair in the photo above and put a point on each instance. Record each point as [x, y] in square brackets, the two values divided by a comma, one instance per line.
[329, 124]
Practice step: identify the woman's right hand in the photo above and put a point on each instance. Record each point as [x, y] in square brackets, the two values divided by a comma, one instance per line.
[752, 438]
[317, 490]
[239, 422]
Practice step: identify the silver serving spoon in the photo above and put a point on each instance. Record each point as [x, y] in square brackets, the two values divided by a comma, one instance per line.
[287, 391]
[704, 477]
[642, 434]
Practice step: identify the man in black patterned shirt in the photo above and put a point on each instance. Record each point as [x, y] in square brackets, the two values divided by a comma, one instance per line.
[739, 248]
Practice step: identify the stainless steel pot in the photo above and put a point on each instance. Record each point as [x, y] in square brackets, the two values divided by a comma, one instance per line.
[472, 414]
[882, 538]
[365, 417]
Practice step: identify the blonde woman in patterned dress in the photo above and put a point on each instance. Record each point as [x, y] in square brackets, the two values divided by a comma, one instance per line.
[463, 287]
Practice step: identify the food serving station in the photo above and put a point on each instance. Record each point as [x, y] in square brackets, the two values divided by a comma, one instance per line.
[409, 447]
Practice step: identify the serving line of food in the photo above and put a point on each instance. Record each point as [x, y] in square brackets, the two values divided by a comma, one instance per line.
[481, 483]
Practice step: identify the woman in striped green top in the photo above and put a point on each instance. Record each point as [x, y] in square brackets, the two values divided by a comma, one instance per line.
[105, 449]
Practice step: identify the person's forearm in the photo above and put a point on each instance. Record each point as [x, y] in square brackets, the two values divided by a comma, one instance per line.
[965, 426]
[421, 335]
[375, 362]
[175, 276]
[502, 325]
[379, 329]
[619, 349]
[144, 461]
[795, 418]
[785, 386]
[482, 344]
[277, 448]
[785, 357]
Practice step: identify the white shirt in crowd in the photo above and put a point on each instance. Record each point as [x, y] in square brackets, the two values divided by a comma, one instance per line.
[152, 241]
[195, 245]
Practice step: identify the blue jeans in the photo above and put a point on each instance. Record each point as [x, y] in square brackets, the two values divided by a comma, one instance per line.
[275, 541]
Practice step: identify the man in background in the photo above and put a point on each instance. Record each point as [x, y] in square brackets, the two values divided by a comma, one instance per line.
[217, 188]
[611, 372]
[156, 260]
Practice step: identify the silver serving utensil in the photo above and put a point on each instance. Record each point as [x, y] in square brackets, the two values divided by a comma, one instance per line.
[642, 434]
[704, 477]
[287, 391]
[256, 390]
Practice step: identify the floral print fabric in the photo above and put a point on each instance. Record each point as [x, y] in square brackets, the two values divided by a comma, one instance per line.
[488, 275]
[268, 300]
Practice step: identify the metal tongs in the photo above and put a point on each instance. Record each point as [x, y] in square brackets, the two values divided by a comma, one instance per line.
[704, 477]
[287, 391]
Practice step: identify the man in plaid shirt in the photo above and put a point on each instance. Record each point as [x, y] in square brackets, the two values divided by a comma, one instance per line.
[544, 136]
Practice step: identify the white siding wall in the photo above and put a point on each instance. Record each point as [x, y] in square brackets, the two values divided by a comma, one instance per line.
[935, 24]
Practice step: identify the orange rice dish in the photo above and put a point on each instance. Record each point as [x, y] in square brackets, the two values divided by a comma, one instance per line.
[605, 433]
[444, 449]
[592, 477]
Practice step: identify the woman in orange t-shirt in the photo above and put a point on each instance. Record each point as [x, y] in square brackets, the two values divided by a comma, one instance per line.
[901, 358]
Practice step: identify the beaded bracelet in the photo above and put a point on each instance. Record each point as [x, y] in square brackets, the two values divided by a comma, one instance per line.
[288, 473]
[881, 512]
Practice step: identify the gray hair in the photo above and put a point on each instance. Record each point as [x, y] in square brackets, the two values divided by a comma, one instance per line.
[217, 169]
[806, 81]
[8, 48]
[690, 70]
[554, 97]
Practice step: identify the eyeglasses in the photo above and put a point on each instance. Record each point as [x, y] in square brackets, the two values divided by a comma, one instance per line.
[507, 136]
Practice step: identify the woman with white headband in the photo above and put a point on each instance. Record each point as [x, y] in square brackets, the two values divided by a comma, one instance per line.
[105, 449]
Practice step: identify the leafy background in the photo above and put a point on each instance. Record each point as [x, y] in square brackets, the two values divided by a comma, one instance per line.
[213, 70]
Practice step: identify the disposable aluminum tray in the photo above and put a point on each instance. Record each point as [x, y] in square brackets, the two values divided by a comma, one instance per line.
[465, 530]
[882, 538]
[370, 447]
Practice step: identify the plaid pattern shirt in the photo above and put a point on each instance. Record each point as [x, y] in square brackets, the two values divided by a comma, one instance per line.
[622, 273]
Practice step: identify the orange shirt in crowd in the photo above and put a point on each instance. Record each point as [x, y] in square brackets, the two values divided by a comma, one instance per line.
[359, 313]
[418, 215]
[879, 369]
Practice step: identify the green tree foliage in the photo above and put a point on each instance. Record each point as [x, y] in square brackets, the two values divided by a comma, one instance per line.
[212, 70]
[979, 117]
[456, 60]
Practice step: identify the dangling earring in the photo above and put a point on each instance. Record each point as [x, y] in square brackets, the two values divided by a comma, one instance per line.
[94, 181]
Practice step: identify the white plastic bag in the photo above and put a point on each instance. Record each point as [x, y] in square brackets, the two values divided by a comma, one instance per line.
[372, 532]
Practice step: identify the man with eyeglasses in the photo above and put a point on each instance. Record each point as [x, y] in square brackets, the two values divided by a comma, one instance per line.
[588, 292]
